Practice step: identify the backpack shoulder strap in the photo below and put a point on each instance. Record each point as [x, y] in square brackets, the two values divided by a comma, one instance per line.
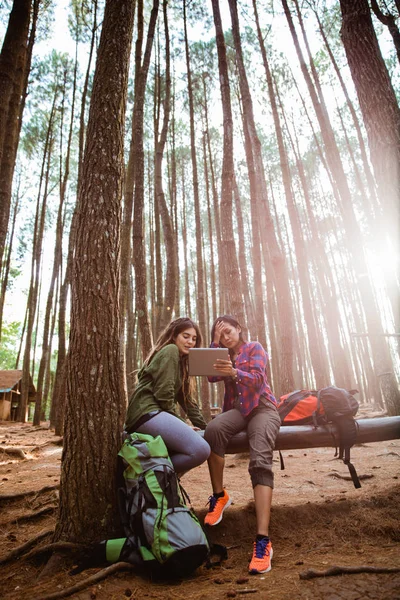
[347, 435]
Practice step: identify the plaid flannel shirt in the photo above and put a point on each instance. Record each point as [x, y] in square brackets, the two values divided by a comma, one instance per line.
[252, 382]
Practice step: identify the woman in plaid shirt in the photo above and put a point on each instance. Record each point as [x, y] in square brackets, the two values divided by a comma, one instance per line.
[248, 404]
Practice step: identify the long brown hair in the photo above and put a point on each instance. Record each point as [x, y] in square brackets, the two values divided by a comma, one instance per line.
[168, 336]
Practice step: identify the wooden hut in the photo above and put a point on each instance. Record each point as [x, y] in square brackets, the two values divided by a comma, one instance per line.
[10, 394]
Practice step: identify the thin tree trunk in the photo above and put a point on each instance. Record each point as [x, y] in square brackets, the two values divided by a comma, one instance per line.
[229, 274]
[36, 262]
[5, 270]
[251, 319]
[136, 160]
[57, 263]
[166, 220]
[185, 244]
[211, 290]
[200, 295]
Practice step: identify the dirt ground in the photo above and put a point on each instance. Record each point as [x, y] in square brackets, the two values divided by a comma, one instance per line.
[319, 520]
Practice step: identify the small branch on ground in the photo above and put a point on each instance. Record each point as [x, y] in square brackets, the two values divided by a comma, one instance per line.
[99, 576]
[310, 573]
[348, 478]
[234, 593]
[21, 549]
[47, 488]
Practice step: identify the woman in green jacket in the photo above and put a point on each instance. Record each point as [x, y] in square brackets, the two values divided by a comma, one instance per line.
[163, 383]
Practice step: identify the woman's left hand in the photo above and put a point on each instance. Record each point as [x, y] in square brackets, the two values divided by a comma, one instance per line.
[225, 367]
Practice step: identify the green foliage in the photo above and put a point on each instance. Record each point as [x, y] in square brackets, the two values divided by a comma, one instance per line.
[10, 337]
[80, 20]
[45, 19]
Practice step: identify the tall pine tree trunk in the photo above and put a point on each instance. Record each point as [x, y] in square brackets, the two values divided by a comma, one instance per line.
[166, 220]
[96, 398]
[200, 298]
[136, 163]
[229, 274]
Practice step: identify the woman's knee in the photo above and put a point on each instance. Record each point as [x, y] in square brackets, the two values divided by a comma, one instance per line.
[204, 450]
[211, 433]
[261, 476]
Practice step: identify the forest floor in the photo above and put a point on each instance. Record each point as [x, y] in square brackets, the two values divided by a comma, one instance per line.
[319, 520]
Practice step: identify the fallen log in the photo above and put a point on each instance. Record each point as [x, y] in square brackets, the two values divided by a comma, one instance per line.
[307, 436]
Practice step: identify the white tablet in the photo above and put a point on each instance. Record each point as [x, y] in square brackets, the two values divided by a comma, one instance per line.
[201, 360]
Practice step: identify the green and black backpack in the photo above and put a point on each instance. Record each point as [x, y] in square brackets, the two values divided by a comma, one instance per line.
[163, 536]
[153, 509]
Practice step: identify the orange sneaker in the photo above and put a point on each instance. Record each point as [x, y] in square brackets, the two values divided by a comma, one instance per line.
[262, 556]
[216, 508]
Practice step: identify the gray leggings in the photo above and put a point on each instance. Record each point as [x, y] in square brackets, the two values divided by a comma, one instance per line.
[187, 449]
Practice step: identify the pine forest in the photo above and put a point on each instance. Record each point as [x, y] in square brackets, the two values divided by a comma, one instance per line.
[192, 158]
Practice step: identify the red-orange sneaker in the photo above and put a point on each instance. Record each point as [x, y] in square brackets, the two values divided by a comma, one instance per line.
[216, 509]
[262, 556]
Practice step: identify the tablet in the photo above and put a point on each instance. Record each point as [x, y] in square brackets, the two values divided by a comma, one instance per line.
[201, 360]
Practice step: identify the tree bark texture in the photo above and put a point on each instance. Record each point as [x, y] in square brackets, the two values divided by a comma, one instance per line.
[13, 59]
[96, 398]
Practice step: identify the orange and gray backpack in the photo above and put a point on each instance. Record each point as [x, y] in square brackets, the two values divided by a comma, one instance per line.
[328, 405]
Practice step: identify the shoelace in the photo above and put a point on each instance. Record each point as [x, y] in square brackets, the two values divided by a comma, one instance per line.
[260, 547]
[212, 501]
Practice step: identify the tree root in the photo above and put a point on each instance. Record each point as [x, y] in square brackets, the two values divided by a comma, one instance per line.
[19, 495]
[30, 516]
[99, 576]
[21, 549]
[55, 546]
[54, 442]
[14, 452]
[336, 570]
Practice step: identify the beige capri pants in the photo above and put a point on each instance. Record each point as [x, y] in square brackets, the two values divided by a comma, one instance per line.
[262, 426]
